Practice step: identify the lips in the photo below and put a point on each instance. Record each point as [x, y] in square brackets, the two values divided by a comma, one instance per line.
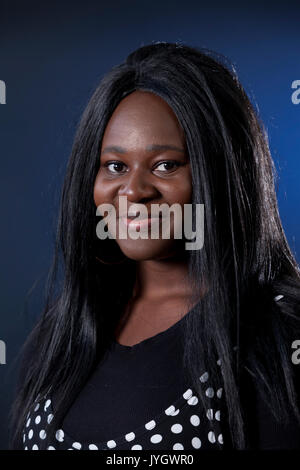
[133, 217]
[132, 221]
[140, 223]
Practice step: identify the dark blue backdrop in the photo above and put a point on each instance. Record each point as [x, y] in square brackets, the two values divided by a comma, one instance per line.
[52, 57]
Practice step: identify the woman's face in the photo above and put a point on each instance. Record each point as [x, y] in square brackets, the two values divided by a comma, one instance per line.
[136, 163]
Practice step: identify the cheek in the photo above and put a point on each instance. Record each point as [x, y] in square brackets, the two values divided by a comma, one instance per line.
[186, 194]
[186, 188]
[181, 192]
[97, 193]
[102, 193]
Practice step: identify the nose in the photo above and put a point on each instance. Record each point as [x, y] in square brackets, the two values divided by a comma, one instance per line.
[138, 187]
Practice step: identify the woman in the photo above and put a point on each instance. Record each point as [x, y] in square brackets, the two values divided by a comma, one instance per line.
[149, 345]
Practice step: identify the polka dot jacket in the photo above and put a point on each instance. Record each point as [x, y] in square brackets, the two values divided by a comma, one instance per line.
[182, 425]
[138, 398]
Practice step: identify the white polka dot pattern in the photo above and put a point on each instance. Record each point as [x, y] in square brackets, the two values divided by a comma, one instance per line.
[59, 435]
[76, 445]
[185, 424]
[93, 447]
[150, 425]
[195, 420]
[156, 438]
[196, 443]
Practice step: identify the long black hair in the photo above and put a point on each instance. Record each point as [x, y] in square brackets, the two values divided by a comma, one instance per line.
[245, 261]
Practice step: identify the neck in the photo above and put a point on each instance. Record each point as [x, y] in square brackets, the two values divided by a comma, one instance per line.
[160, 278]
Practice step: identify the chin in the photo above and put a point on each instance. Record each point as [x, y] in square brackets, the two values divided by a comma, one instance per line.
[143, 250]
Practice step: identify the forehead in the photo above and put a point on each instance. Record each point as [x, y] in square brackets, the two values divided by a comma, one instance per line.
[143, 116]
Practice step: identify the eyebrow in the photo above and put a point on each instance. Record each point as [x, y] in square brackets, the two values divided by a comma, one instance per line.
[149, 148]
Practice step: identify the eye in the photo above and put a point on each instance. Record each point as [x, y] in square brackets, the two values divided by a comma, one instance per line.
[170, 164]
[115, 166]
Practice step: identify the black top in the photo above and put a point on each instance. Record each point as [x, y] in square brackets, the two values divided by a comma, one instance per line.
[139, 397]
